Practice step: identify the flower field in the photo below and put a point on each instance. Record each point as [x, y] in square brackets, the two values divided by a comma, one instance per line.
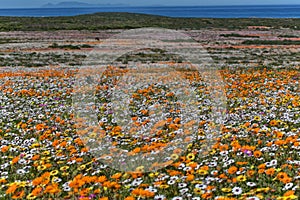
[256, 156]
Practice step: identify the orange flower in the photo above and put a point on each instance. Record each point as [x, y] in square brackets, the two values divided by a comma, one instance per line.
[37, 191]
[283, 177]
[232, 170]
[15, 160]
[102, 179]
[250, 173]
[223, 147]
[40, 127]
[190, 177]
[260, 171]
[129, 198]
[142, 193]
[257, 154]
[173, 172]
[270, 171]
[11, 189]
[262, 166]
[116, 176]
[289, 193]
[207, 195]
[103, 198]
[19, 195]
[223, 176]
[273, 122]
[4, 149]
[205, 167]
[37, 181]
[35, 157]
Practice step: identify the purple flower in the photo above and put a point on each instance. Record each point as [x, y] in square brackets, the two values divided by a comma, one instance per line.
[248, 152]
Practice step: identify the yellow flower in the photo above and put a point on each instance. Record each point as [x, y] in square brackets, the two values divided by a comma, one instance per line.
[41, 167]
[290, 197]
[278, 169]
[64, 168]
[197, 182]
[213, 152]
[89, 169]
[65, 174]
[164, 186]
[126, 175]
[22, 184]
[153, 174]
[190, 156]
[241, 178]
[35, 145]
[262, 189]
[140, 169]
[198, 191]
[30, 196]
[174, 156]
[127, 186]
[202, 172]
[46, 153]
[226, 189]
[260, 196]
[257, 118]
[82, 167]
[54, 172]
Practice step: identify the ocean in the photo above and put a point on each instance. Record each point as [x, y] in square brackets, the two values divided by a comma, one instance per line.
[267, 11]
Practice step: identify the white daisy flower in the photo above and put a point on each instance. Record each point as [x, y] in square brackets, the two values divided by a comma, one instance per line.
[159, 197]
[171, 182]
[182, 185]
[237, 190]
[253, 198]
[177, 198]
[184, 190]
[20, 171]
[288, 186]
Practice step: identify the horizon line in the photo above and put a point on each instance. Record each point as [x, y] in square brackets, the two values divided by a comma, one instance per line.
[41, 7]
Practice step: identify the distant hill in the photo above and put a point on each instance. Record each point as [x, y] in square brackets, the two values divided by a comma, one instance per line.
[76, 4]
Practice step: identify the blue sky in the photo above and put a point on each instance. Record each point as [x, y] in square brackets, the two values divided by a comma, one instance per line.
[38, 3]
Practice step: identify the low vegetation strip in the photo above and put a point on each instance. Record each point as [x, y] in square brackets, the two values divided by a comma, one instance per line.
[103, 21]
[271, 42]
[238, 35]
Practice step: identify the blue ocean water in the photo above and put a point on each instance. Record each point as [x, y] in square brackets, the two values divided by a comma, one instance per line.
[261, 11]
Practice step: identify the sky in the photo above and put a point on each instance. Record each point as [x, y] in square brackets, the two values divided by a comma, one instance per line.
[38, 3]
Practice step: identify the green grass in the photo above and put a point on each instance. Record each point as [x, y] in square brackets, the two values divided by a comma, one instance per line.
[103, 21]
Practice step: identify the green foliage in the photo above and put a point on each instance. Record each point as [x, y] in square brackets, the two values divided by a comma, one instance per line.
[238, 35]
[288, 36]
[69, 46]
[271, 42]
[104, 21]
